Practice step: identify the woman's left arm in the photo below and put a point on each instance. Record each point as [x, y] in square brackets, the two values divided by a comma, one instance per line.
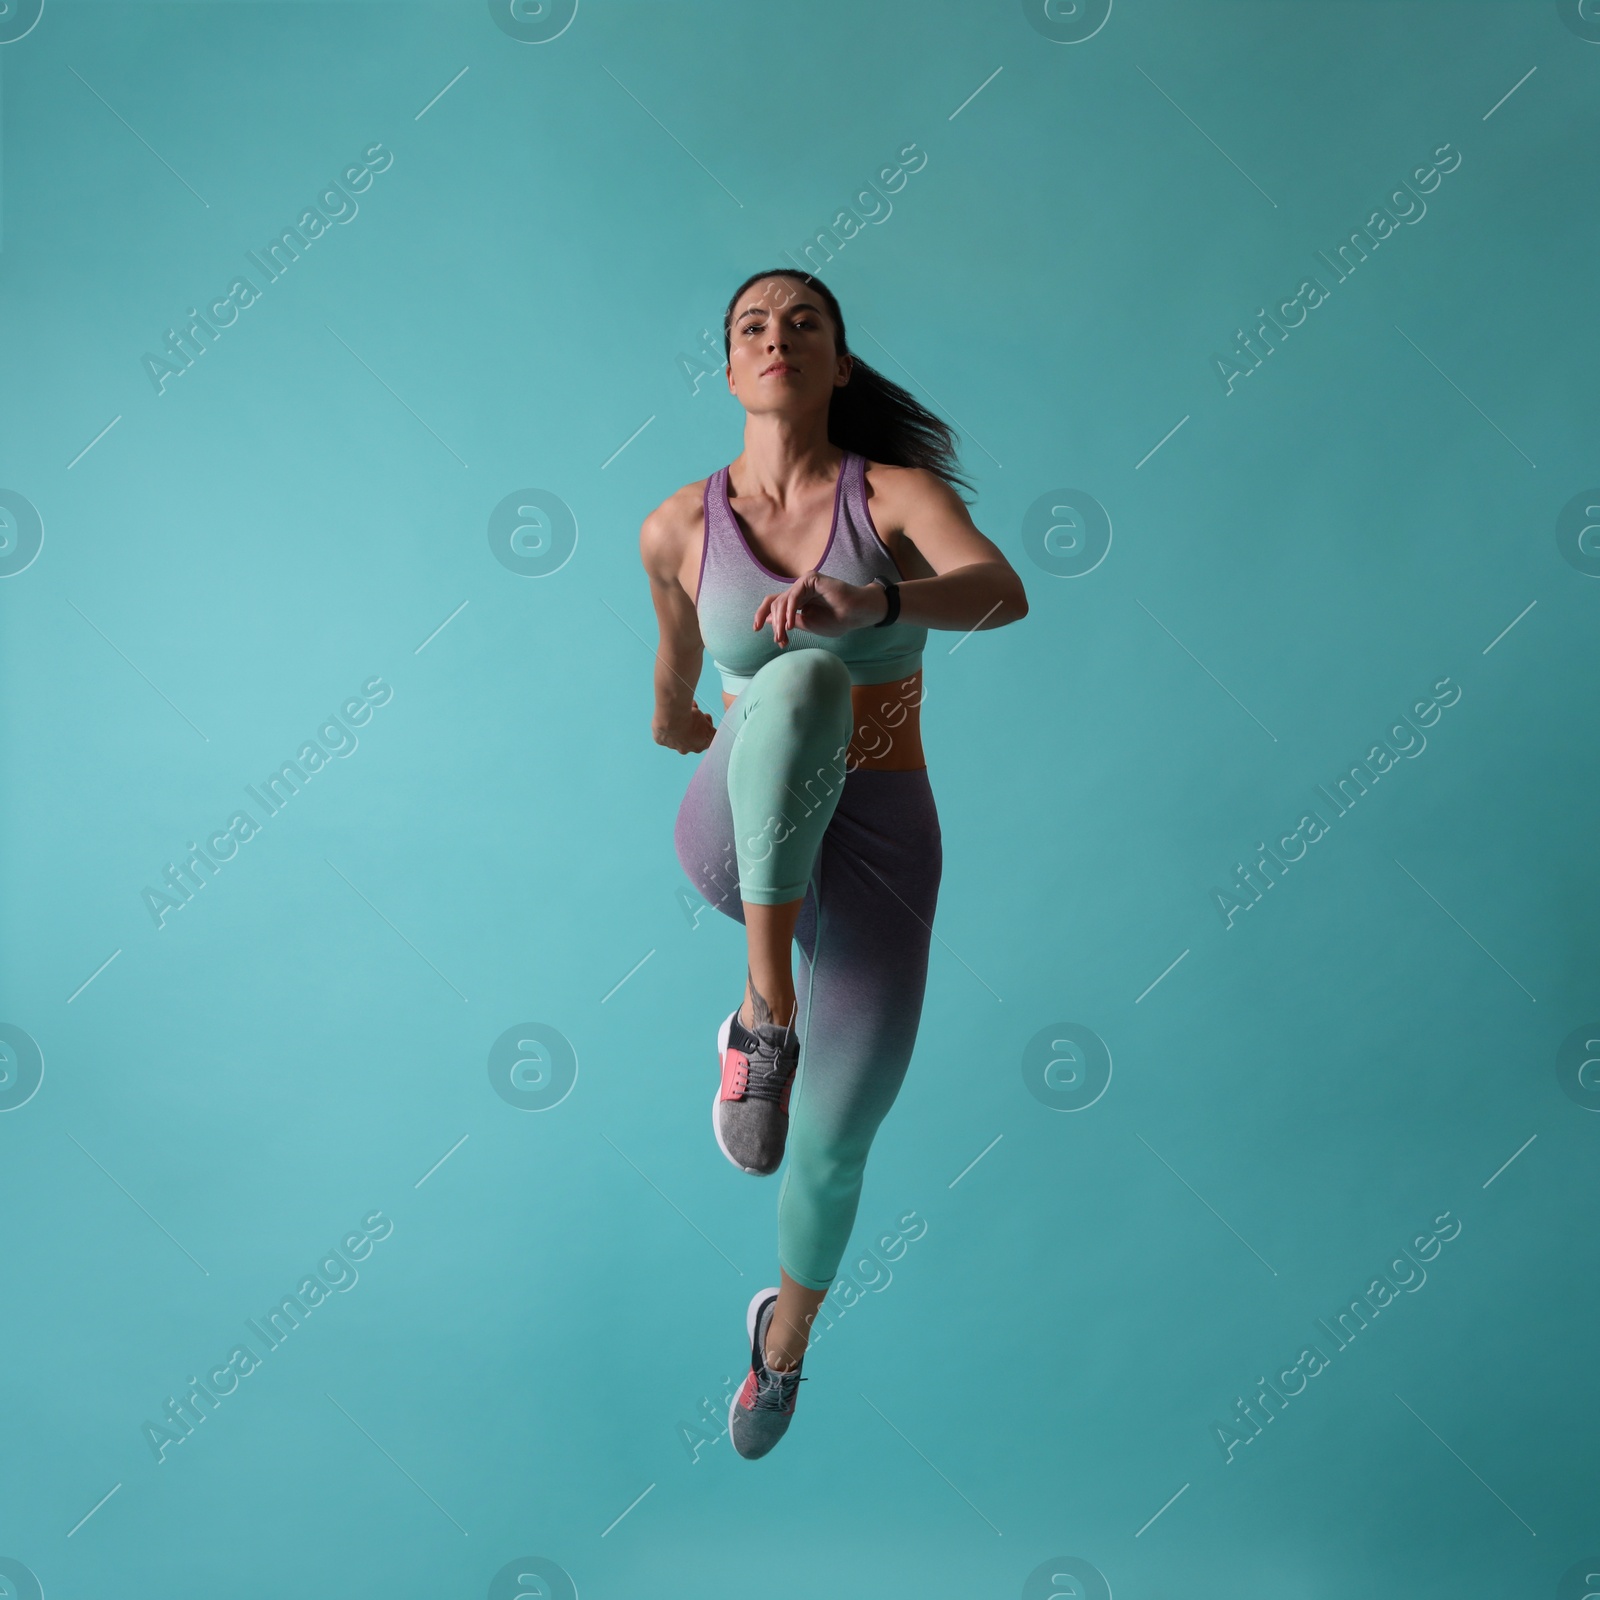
[973, 585]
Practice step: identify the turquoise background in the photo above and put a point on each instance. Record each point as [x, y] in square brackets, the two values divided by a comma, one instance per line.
[1029, 1381]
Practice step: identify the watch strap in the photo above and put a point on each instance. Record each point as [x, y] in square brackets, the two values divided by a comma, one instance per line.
[892, 592]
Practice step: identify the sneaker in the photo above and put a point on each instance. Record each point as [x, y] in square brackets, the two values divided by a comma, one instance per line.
[759, 1414]
[750, 1112]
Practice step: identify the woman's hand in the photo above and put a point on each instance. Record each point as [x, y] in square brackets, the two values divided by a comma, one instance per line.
[821, 605]
[685, 731]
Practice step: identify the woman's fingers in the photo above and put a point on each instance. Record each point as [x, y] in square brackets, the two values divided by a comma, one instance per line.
[804, 589]
[783, 615]
[783, 610]
[770, 610]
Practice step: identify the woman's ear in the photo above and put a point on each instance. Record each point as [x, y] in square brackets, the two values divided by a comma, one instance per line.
[847, 366]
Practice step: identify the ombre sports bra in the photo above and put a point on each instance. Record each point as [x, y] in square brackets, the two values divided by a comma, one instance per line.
[733, 582]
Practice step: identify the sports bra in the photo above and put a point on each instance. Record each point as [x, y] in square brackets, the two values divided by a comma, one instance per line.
[733, 582]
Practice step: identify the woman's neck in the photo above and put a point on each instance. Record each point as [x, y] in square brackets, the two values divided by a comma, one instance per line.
[783, 456]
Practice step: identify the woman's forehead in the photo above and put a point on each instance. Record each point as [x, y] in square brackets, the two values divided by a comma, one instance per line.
[777, 294]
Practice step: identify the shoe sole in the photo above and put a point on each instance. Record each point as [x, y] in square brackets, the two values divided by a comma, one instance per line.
[750, 1316]
[716, 1100]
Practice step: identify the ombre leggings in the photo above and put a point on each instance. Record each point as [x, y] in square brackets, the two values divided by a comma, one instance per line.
[769, 816]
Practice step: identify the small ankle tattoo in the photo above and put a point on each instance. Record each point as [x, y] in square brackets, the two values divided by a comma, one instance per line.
[760, 1011]
[761, 1008]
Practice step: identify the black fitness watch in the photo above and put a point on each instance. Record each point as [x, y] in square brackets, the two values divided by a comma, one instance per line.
[892, 593]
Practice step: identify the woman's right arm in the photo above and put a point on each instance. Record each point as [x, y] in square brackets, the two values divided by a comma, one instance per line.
[678, 723]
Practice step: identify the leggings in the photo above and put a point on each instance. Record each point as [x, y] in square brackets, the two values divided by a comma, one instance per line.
[772, 815]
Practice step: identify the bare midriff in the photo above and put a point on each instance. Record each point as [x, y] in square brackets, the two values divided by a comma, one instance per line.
[887, 719]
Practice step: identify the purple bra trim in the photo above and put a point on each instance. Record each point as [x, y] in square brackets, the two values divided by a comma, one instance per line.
[705, 539]
[860, 499]
[721, 480]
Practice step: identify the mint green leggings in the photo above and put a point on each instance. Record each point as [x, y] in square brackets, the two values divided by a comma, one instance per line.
[771, 815]
[785, 770]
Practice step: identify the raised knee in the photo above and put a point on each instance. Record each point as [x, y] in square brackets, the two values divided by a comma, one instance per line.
[828, 671]
[809, 674]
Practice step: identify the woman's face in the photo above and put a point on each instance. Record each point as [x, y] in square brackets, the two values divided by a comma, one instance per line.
[781, 352]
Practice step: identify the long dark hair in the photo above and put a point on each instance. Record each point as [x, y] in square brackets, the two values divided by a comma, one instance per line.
[871, 415]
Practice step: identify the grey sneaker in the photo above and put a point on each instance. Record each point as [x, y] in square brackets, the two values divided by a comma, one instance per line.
[750, 1113]
[759, 1414]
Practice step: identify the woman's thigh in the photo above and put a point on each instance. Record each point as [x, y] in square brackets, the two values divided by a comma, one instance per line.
[864, 926]
[703, 834]
[751, 823]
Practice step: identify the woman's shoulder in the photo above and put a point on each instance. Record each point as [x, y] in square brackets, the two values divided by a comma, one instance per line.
[667, 530]
[897, 493]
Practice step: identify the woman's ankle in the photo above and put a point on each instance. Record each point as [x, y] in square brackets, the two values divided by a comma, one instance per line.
[781, 1357]
[778, 1010]
[782, 1364]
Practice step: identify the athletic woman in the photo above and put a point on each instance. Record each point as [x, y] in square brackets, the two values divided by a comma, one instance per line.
[813, 566]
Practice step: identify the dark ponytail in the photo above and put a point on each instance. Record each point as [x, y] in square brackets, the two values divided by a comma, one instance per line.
[871, 415]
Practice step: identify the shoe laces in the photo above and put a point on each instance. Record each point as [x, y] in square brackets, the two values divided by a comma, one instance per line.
[775, 1391]
[771, 1066]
